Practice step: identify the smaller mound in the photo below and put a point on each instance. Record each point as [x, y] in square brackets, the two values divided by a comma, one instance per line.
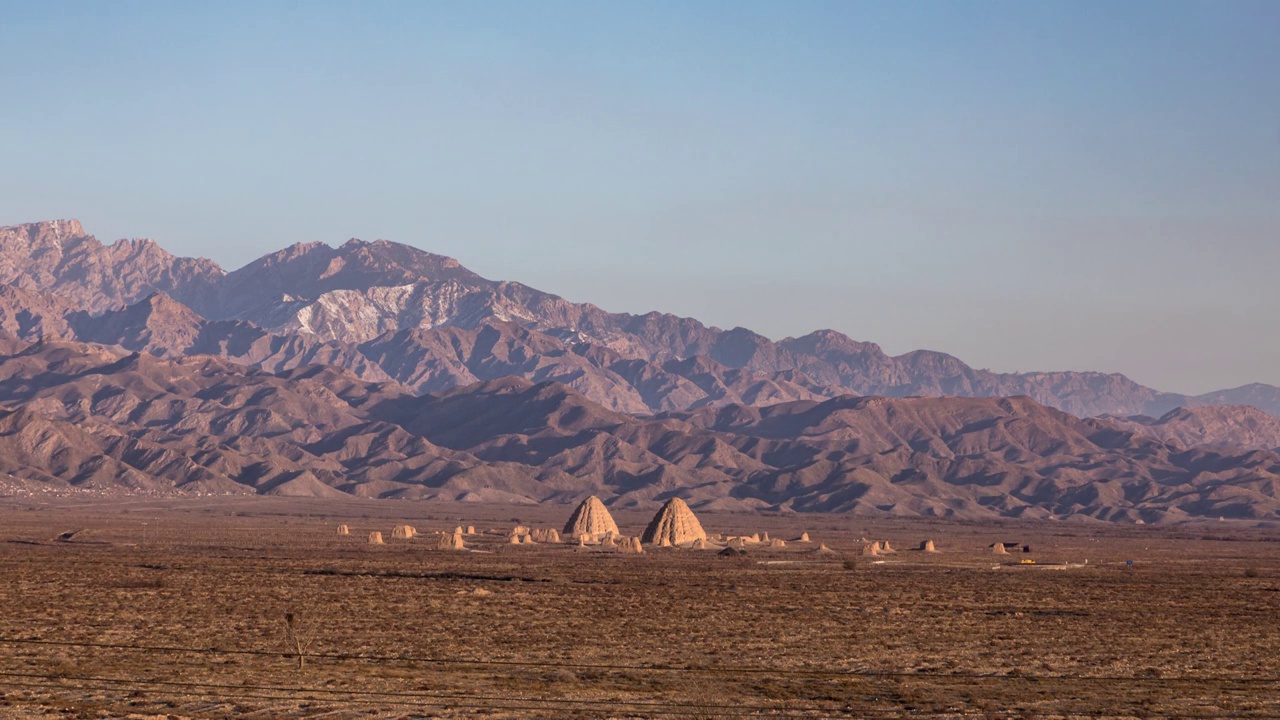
[927, 546]
[451, 541]
[375, 538]
[546, 536]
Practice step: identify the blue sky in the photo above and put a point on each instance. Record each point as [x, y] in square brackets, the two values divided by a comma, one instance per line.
[1027, 185]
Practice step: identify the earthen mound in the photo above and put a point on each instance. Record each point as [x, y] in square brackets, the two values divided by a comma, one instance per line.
[451, 541]
[674, 524]
[591, 518]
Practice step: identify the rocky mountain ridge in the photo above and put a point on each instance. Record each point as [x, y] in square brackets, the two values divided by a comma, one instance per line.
[1218, 426]
[74, 415]
[386, 310]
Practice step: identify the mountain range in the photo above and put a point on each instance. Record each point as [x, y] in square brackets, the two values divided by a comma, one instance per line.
[386, 310]
[376, 369]
[92, 417]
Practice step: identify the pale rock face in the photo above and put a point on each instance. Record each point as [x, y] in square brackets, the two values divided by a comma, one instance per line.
[675, 523]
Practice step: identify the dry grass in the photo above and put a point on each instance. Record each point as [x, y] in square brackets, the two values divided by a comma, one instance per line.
[1184, 631]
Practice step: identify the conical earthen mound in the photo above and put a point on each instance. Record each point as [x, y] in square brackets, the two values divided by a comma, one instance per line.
[675, 523]
[591, 518]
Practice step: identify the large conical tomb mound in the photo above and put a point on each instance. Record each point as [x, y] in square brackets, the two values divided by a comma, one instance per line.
[674, 523]
[591, 518]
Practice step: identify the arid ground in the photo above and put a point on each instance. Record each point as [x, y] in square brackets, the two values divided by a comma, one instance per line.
[177, 609]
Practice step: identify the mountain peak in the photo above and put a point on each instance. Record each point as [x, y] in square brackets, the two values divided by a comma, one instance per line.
[49, 229]
[160, 302]
[822, 342]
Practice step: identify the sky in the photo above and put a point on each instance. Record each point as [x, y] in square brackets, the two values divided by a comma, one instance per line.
[1050, 185]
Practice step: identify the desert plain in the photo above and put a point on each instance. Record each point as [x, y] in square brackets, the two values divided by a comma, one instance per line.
[197, 608]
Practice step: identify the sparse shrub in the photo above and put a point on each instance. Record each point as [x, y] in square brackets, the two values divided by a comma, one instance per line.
[1251, 572]
[850, 564]
[562, 676]
[140, 583]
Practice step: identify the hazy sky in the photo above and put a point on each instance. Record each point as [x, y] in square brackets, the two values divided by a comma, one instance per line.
[1026, 185]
